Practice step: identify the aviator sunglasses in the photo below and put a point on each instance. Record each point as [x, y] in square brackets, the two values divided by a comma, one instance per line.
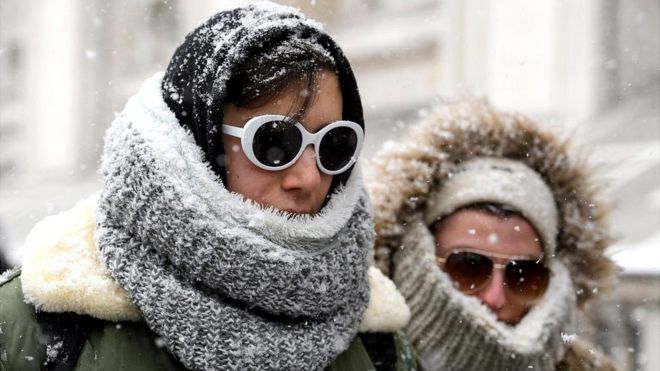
[275, 142]
[525, 278]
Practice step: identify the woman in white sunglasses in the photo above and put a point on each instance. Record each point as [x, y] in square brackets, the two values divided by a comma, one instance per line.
[232, 231]
[495, 235]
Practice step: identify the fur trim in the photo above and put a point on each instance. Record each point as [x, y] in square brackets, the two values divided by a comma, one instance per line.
[583, 356]
[62, 273]
[387, 310]
[404, 174]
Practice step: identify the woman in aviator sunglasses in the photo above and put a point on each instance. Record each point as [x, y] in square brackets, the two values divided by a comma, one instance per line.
[232, 231]
[495, 235]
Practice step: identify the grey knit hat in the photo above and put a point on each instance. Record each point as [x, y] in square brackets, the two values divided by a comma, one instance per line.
[499, 180]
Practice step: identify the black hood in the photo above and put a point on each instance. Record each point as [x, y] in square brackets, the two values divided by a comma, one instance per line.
[195, 82]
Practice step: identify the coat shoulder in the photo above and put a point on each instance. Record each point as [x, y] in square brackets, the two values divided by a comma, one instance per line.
[126, 346]
[377, 351]
[19, 330]
[109, 346]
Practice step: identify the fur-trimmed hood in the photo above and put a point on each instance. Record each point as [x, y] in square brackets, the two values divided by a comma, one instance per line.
[404, 174]
[62, 272]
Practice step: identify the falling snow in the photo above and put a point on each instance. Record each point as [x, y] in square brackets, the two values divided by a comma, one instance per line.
[91, 54]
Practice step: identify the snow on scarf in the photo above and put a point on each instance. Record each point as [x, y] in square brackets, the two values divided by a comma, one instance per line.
[226, 283]
[454, 331]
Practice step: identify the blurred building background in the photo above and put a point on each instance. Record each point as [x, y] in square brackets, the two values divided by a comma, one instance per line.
[589, 68]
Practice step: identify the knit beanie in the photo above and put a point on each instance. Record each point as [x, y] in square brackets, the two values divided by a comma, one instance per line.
[195, 82]
[503, 181]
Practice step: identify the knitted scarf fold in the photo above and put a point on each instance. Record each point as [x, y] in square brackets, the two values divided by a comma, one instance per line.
[453, 331]
[227, 283]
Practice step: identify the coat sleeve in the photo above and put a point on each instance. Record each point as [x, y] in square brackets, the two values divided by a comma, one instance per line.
[355, 358]
[19, 330]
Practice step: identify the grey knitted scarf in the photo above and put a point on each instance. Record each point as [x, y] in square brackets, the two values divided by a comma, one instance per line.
[226, 283]
[453, 331]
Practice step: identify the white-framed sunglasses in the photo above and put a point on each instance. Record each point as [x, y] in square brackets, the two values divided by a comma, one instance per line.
[275, 142]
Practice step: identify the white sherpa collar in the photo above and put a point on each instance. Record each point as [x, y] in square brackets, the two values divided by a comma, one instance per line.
[62, 272]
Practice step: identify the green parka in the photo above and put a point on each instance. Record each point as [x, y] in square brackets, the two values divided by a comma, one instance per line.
[118, 339]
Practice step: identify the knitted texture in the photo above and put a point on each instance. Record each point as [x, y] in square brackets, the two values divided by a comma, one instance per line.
[453, 331]
[504, 181]
[226, 283]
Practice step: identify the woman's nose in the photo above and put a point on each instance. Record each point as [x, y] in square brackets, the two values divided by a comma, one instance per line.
[304, 174]
[493, 295]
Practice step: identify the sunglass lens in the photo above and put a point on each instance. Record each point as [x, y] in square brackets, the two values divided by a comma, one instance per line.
[468, 270]
[276, 143]
[527, 279]
[337, 147]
